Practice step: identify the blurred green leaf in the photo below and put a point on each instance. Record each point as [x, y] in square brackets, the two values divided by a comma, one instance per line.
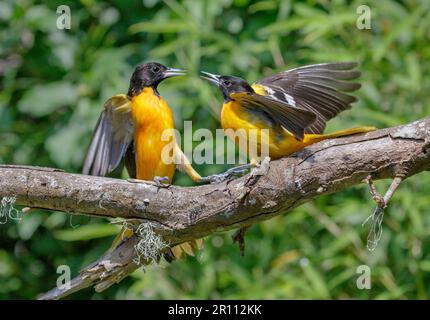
[162, 27]
[41, 100]
[316, 281]
[86, 232]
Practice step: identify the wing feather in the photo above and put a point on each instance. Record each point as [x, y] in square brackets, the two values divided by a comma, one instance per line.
[293, 119]
[112, 137]
[319, 88]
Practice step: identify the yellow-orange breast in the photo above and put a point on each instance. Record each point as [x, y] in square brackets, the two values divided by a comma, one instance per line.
[151, 116]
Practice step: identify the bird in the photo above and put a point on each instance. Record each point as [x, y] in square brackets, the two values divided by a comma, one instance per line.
[293, 105]
[130, 129]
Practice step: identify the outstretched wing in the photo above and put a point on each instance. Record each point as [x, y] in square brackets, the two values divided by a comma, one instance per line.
[318, 88]
[293, 119]
[112, 137]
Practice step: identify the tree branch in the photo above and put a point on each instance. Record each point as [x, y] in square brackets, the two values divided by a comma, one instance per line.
[179, 214]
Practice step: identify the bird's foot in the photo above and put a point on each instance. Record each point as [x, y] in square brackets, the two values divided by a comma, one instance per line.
[239, 237]
[261, 169]
[233, 172]
[162, 182]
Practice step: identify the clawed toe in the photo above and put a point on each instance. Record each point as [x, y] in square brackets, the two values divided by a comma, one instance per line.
[233, 172]
[162, 182]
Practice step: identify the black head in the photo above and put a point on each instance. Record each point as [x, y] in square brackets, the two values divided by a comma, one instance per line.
[150, 75]
[228, 84]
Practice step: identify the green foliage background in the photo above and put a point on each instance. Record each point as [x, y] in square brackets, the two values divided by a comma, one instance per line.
[54, 82]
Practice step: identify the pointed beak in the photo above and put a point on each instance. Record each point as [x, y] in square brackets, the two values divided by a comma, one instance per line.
[171, 72]
[213, 78]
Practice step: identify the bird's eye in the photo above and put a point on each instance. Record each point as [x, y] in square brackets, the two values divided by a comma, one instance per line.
[155, 69]
[227, 83]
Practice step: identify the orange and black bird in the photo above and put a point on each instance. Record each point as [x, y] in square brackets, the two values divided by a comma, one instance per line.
[130, 128]
[294, 105]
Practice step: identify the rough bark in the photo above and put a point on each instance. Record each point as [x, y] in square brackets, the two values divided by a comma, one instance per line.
[178, 214]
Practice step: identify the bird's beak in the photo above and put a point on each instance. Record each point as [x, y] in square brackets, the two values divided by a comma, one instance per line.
[171, 72]
[213, 78]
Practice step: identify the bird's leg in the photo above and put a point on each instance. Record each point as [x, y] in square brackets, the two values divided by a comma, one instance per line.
[183, 164]
[233, 172]
[260, 168]
[239, 237]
